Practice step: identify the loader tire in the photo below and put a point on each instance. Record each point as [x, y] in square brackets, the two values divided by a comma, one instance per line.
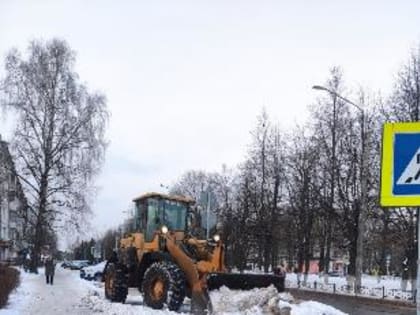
[116, 288]
[164, 284]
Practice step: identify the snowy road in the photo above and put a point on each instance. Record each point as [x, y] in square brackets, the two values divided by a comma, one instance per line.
[72, 295]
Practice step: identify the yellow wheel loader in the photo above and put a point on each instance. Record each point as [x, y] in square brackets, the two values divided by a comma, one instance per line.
[163, 257]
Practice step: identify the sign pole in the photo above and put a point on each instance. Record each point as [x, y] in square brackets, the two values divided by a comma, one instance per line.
[418, 264]
[400, 177]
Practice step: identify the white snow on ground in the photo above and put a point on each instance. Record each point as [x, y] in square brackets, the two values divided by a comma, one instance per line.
[313, 308]
[72, 295]
[264, 301]
[21, 294]
[388, 282]
[68, 295]
[34, 296]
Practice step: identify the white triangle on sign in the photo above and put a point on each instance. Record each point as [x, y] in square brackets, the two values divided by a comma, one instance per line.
[411, 174]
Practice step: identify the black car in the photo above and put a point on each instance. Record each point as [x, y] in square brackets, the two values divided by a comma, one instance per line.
[65, 264]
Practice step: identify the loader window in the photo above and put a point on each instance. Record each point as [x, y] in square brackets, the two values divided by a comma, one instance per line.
[175, 214]
[140, 216]
[159, 212]
[153, 220]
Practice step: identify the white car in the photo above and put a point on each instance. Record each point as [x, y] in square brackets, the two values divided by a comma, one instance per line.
[94, 272]
[78, 264]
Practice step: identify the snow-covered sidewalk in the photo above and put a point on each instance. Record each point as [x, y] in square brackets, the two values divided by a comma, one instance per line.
[34, 296]
[72, 295]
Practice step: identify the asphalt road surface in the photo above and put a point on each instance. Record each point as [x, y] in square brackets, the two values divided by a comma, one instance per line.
[357, 305]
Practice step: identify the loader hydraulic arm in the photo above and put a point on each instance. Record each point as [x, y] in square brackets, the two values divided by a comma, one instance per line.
[200, 301]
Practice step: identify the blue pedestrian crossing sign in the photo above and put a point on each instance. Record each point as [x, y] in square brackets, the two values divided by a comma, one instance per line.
[400, 167]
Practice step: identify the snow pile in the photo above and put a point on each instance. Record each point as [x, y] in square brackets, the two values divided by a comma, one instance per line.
[95, 301]
[255, 301]
[263, 302]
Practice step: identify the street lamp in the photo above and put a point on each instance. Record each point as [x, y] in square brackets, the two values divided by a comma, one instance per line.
[363, 187]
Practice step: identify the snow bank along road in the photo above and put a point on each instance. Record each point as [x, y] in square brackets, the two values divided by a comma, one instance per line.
[357, 304]
[72, 295]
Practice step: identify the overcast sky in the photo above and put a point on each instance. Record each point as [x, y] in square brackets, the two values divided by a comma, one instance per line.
[185, 80]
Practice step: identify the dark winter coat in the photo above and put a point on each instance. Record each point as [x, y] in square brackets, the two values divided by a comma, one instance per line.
[49, 267]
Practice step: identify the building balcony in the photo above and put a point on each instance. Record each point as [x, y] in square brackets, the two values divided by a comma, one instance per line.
[5, 243]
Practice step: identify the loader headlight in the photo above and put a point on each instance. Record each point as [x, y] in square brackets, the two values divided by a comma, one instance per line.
[216, 237]
[164, 229]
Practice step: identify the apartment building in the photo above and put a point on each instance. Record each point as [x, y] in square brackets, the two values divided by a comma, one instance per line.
[14, 225]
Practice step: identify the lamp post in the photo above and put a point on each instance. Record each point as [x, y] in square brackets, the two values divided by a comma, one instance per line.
[363, 187]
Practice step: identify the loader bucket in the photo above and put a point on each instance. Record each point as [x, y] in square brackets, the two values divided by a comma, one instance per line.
[239, 281]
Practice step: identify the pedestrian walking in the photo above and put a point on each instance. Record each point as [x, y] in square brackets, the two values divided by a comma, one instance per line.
[49, 269]
[27, 262]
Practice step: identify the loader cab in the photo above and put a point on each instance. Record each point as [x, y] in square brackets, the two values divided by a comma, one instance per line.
[154, 210]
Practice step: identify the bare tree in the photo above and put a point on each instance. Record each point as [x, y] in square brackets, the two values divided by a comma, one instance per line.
[328, 117]
[263, 181]
[199, 185]
[303, 190]
[192, 184]
[59, 141]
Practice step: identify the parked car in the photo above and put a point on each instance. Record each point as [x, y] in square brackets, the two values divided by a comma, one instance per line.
[78, 264]
[65, 264]
[94, 272]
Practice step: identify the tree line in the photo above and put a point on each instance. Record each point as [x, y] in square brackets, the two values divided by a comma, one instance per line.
[297, 195]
